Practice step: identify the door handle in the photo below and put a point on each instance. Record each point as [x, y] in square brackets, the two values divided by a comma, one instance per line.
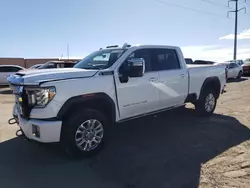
[182, 75]
[153, 79]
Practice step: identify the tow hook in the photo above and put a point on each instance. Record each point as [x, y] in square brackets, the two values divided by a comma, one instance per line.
[12, 121]
[19, 133]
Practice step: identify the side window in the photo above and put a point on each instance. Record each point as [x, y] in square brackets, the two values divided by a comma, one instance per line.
[2, 69]
[146, 55]
[16, 69]
[233, 65]
[57, 65]
[51, 66]
[11, 69]
[166, 59]
[236, 65]
[69, 65]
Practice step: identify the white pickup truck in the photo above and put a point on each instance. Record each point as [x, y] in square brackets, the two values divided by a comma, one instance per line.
[75, 106]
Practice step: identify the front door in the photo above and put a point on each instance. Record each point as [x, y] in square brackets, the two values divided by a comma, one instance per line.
[231, 71]
[138, 96]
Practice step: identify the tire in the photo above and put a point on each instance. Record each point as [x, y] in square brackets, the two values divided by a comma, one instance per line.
[206, 104]
[240, 75]
[77, 136]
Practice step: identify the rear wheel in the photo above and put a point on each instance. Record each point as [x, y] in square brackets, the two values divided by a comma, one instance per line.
[83, 133]
[206, 104]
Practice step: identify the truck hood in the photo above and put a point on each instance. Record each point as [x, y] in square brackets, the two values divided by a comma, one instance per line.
[35, 77]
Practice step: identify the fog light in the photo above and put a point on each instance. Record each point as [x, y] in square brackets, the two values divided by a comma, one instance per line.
[36, 131]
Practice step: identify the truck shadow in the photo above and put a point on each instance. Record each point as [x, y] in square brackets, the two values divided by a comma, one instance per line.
[231, 80]
[163, 151]
[5, 90]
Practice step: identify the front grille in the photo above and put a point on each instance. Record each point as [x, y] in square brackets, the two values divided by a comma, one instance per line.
[23, 107]
[26, 109]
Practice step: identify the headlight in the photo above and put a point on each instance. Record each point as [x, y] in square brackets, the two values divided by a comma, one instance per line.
[40, 97]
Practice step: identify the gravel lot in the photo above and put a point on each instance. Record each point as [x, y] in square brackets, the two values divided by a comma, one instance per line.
[171, 150]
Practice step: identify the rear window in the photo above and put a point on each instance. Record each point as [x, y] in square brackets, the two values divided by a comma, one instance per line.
[202, 62]
[189, 61]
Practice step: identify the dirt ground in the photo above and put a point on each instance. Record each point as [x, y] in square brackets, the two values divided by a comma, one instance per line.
[170, 150]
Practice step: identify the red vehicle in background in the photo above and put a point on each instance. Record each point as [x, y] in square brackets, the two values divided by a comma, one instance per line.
[246, 67]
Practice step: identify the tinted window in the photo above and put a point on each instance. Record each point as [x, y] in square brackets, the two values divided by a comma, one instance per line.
[233, 65]
[9, 69]
[157, 59]
[69, 65]
[48, 65]
[189, 61]
[2, 69]
[166, 59]
[147, 56]
[201, 62]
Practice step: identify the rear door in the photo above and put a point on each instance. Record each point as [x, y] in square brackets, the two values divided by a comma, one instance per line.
[173, 78]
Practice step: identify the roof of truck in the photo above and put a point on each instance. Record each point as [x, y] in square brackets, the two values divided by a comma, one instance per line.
[140, 46]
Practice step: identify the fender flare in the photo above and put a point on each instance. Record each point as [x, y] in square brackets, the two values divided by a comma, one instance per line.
[81, 99]
[213, 82]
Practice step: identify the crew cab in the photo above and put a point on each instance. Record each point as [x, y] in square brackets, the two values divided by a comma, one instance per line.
[76, 106]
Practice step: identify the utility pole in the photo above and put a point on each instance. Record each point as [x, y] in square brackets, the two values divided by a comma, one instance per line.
[68, 50]
[236, 23]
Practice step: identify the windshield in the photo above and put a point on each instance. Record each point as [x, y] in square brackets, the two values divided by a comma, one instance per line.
[100, 59]
[47, 65]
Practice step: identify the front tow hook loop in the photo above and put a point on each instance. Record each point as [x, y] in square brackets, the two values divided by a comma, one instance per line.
[19, 133]
[12, 121]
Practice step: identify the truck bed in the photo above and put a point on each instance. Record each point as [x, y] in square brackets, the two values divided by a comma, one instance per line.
[199, 73]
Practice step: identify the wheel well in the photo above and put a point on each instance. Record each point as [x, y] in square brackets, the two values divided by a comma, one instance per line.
[103, 104]
[213, 83]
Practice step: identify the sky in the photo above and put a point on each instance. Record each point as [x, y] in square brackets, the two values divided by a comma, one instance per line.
[43, 28]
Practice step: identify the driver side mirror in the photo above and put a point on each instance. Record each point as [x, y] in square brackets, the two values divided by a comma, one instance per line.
[132, 68]
[136, 67]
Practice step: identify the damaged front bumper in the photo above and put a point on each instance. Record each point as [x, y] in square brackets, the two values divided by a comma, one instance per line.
[45, 131]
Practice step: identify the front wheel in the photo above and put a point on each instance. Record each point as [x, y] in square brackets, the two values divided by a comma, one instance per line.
[83, 133]
[206, 104]
[240, 75]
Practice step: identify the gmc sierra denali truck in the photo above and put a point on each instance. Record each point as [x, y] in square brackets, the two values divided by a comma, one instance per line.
[75, 106]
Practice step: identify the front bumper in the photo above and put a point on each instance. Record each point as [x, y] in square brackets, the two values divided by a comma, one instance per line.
[49, 131]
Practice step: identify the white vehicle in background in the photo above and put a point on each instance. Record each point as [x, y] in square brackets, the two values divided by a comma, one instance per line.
[76, 106]
[239, 62]
[6, 70]
[36, 66]
[234, 69]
